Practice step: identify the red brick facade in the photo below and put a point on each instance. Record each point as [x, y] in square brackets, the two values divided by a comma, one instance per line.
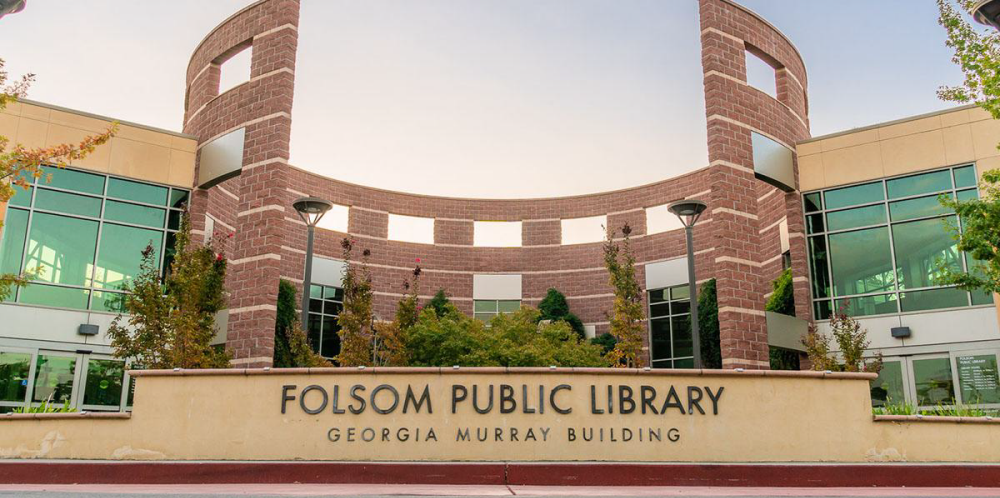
[737, 242]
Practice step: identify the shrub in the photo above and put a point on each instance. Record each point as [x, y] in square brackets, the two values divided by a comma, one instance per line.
[627, 312]
[355, 320]
[852, 341]
[439, 302]
[555, 308]
[515, 339]
[291, 345]
[782, 300]
[45, 407]
[605, 341]
[708, 325]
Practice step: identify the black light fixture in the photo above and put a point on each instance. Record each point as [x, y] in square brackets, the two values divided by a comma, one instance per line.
[987, 12]
[11, 6]
[311, 210]
[689, 211]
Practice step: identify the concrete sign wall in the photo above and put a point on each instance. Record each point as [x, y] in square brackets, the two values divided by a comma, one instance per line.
[494, 414]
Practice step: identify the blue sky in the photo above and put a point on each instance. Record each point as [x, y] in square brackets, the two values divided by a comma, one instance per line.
[512, 98]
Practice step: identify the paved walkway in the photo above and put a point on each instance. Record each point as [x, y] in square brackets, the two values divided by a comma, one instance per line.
[335, 490]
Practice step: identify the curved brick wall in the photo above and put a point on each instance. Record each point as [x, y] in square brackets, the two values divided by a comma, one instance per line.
[737, 242]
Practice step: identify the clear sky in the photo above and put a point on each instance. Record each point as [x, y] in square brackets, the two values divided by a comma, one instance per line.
[486, 98]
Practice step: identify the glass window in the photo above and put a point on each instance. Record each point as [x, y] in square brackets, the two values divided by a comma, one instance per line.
[120, 254]
[670, 328]
[325, 304]
[112, 302]
[967, 195]
[818, 267]
[814, 223]
[921, 207]
[981, 298]
[965, 176]
[54, 379]
[935, 181]
[823, 309]
[888, 388]
[135, 214]
[853, 196]
[73, 180]
[486, 309]
[869, 305]
[104, 382]
[857, 217]
[58, 297]
[861, 261]
[14, 229]
[330, 343]
[62, 248]
[315, 292]
[174, 222]
[977, 378]
[135, 191]
[508, 306]
[178, 198]
[933, 299]
[21, 197]
[921, 246]
[65, 202]
[14, 369]
[934, 384]
[813, 202]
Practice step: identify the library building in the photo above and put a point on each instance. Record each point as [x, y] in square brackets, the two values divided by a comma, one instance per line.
[854, 215]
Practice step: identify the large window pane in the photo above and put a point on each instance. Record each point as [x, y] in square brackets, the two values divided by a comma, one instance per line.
[135, 191]
[814, 223]
[73, 180]
[54, 379]
[481, 306]
[934, 383]
[926, 183]
[178, 198]
[861, 261]
[508, 306]
[65, 202]
[58, 297]
[14, 368]
[681, 333]
[933, 299]
[113, 302]
[869, 305]
[858, 217]
[63, 248]
[659, 295]
[977, 378]
[853, 196]
[104, 382]
[888, 388]
[661, 338]
[15, 228]
[121, 254]
[965, 176]
[920, 247]
[21, 197]
[968, 195]
[680, 292]
[659, 309]
[135, 214]
[920, 207]
[315, 328]
[330, 346]
[818, 267]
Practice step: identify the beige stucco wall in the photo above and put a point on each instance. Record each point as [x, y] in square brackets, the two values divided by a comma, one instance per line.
[772, 417]
[956, 136]
[136, 152]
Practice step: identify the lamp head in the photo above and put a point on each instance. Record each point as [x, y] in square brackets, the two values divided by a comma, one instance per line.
[312, 209]
[688, 210]
[987, 12]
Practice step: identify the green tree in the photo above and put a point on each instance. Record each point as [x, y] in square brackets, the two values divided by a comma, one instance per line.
[19, 165]
[977, 53]
[605, 341]
[356, 332]
[554, 307]
[782, 301]
[439, 302]
[171, 320]
[708, 325]
[391, 336]
[627, 312]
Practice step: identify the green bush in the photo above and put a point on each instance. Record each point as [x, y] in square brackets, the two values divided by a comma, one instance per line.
[782, 300]
[285, 319]
[439, 303]
[510, 340]
[45, 407]
[708, 325]
[605, 341]
[554, 307]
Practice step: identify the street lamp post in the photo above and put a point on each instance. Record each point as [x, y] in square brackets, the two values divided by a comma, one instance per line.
[689, 211]
[987, 12]
[311, 210]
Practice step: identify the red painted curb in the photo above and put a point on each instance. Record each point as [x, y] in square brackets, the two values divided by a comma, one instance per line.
[514, 474]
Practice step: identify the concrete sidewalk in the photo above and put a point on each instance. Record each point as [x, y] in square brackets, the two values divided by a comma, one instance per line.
[336, 490]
